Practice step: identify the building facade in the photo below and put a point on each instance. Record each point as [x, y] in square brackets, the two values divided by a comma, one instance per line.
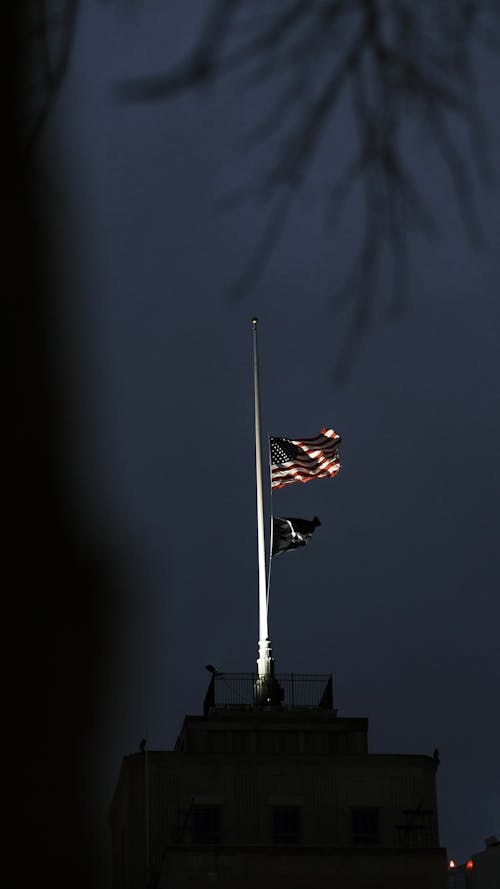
[480, 871]
[282, 789]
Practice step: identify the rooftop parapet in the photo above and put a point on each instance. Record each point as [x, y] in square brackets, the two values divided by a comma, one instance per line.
[282, 690]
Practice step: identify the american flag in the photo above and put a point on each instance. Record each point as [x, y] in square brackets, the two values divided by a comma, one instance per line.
[301, 460]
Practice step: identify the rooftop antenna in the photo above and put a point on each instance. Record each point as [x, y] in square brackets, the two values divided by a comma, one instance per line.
[266, 688]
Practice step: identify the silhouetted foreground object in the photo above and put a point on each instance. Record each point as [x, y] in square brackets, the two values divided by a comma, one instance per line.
[58, 585]
[285, 794]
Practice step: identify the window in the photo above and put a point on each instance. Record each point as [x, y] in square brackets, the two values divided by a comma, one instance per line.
[286, 824]
[418, 831]
[364, 826]
[205, 824]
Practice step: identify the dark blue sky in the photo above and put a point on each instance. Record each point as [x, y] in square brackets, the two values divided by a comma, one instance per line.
[398, 593]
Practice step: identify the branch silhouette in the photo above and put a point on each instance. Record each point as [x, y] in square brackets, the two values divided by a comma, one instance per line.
[399, 63]
[49, 29]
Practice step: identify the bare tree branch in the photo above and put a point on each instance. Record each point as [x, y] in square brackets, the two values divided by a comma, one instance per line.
[48, 41]
[405, 62]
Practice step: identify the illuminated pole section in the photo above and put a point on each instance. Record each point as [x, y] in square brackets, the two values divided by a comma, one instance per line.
[264, 661]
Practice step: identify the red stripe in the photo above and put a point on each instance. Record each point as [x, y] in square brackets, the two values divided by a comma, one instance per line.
[319, 459]
[291, 474]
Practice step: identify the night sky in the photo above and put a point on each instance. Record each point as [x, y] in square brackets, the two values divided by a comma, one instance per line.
[398, 593]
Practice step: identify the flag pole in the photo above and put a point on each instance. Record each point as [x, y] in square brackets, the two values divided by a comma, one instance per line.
[265, 661]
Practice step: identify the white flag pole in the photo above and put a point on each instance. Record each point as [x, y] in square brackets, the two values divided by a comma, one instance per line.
[269, 562]
[264, 661]
[146, 805]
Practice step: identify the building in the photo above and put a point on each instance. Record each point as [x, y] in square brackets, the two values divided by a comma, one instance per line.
[480, 871]
[271, 782]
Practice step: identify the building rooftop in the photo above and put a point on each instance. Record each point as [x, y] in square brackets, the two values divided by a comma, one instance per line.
[282, 691]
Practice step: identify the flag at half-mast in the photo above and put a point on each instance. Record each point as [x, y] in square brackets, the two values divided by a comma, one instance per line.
[301, 460]
[291, 533]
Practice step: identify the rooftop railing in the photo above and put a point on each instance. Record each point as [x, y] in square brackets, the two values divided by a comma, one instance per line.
[286, 690]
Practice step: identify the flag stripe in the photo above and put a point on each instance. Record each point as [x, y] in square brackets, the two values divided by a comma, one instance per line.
[315, 458]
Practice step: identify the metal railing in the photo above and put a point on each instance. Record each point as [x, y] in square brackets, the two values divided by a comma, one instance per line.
[287, 690]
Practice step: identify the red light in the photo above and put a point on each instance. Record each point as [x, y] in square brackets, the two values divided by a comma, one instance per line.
[451, 864]
[469, 865]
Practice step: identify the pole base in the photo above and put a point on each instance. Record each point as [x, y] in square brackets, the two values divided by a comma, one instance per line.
[267, 691]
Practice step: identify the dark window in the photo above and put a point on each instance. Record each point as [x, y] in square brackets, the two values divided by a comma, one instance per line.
[365, 826]
[205, 824]
[286, 824]
[418, 831]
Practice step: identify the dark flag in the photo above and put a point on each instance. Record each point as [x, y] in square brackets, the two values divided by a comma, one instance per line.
[301, 460]
[292, 533]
